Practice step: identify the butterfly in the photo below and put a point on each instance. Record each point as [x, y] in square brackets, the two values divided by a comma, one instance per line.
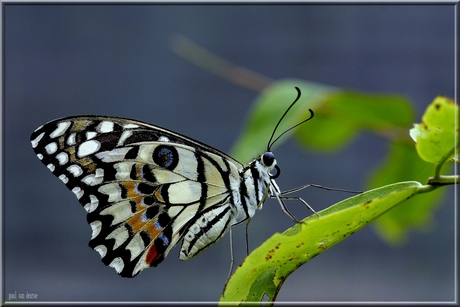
[145, 188]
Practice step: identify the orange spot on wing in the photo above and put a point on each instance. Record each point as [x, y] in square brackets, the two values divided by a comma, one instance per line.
[153, 231]
[137, 223]
[130, 189]
[158, 195]
[138, 171]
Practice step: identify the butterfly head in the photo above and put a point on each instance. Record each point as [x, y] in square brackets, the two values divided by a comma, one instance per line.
[269, 162]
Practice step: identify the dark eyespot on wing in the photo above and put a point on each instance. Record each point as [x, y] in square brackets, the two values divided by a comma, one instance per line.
[166, 156]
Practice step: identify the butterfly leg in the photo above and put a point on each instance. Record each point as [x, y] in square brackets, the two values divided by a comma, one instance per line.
[301, 200]
[282, 195]
[283, 206]
[247, 237]
[232, 257]
[319, 187]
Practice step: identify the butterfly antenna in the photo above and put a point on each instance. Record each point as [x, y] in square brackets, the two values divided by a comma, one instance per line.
[270, 143]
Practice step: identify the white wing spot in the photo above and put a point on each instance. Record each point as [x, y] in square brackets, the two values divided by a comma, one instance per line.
[78, 192]
[88, 148]
[163, 139]
[96, 228]
[37, 139]
[63, 178]
[105, 127]
[136, 246]
[141, 265]
[94, 179]
[40, 156]
[121, 211]
[62, 157]
[91, 206]
[71, 139]
[75, 170]
[90, 135]
[101, 249]
[126, 134]
[99, 172]
[130, 126]
[51, 148]
[60, 130]
[120, 235]
[117, 264]
[112, 190]
[102, 154]
[51, 167]
[113, 155]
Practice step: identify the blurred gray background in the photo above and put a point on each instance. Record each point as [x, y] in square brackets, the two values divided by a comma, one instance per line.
[62, 60]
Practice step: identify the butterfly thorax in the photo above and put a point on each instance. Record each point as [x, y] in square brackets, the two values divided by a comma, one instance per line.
[256, 185]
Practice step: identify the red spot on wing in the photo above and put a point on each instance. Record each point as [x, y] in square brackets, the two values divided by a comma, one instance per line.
[153, 258]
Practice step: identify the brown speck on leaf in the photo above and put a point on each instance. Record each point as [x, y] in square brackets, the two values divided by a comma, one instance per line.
[271, 252]
[437, 106]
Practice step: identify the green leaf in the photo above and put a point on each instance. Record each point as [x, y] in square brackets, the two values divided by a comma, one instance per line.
[344, 114]
[326, 133]
[436, 135]
[403, 163]
[263, 272]
[268, 109]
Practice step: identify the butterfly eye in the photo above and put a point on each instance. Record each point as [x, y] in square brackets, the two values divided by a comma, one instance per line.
[268, 158]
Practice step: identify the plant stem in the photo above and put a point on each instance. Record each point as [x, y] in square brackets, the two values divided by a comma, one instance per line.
[218, 66]
[443, 180]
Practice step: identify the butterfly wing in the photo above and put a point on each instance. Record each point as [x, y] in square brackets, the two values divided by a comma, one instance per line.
[143, 187]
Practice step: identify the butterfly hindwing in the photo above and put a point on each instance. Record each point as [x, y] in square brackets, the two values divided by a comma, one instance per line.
[144, 187]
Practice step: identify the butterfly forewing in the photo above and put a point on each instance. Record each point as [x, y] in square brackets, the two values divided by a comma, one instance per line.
[144, 187]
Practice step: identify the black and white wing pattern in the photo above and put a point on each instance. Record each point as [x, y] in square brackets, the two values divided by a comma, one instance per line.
[145, 188]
